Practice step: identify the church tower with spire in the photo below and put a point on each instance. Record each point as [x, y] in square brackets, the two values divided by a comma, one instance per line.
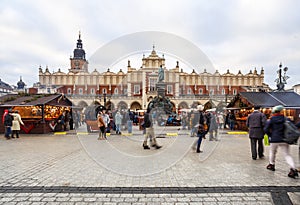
[78, 61]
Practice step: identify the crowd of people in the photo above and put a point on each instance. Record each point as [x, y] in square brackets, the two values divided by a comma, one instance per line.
[200, 123]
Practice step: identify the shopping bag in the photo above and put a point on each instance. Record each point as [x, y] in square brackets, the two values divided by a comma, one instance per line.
[266, 140]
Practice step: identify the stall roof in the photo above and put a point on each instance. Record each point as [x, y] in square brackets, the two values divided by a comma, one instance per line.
[271, 99]
[38, 99]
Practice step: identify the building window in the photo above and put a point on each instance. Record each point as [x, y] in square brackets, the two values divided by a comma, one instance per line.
[234, 92]
[48, 90]
[211, 92]
[152, 82]
[189, 91]
[116, 91]
[125, 91]
[92, 91]
[80, 91]
[169, 89]
[103, 90]
[223, 91]
[136, 89]
[200, 91]
[69, 91]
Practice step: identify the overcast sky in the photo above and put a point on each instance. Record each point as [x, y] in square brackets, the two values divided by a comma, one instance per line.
[234, 34]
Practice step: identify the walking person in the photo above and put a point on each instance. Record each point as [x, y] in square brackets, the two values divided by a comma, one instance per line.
[101, 125]
[118, 121]
[149, 131]
[16, 124]
[220, 120]
[199, 116]
[106, 121]
[8, 123]
[256, 122]
[213, 127]
[3, 118]
[231, 120]
[193, 122]
[275, 130]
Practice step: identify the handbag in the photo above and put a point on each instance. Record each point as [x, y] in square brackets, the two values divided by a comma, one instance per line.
[291, 132]
[266, 140]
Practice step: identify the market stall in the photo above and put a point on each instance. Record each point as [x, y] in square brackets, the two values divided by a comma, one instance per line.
[39, 112]
[243, 105]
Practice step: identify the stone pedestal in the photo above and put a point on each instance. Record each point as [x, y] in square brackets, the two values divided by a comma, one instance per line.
[161, 89]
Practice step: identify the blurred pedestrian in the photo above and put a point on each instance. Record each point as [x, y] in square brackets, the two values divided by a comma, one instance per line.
[8, 123]
[3, 118]
[118, 121]
[231, 120]
[17, 120]
[201, 127]
[275, 130]
[101, 125]
[221, 120]
[148, 123]
[256, 122]
[213, 126]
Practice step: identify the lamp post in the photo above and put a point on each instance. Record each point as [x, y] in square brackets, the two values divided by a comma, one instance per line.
[281, 80]
[104, 98]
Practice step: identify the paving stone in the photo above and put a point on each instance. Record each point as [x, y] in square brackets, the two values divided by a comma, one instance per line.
[67, 173]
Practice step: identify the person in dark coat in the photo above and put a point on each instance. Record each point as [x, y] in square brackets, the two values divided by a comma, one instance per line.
[275, 130]
[201, 131]
[256, 122]
[8, 119]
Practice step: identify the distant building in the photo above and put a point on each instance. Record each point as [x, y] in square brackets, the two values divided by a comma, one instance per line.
[5, 88]
[296, 88]
[136, 88]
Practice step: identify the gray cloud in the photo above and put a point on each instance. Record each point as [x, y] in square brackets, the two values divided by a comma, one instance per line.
[237, 35]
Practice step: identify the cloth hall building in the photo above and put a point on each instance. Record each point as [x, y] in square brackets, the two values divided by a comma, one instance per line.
[133, 88]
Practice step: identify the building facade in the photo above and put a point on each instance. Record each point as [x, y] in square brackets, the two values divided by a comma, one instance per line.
[136, 87]
[5, 88]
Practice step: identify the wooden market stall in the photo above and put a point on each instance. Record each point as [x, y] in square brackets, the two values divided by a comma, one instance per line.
[39, 112]
[243, 104]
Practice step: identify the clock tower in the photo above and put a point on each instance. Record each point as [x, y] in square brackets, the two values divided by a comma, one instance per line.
[78, 61]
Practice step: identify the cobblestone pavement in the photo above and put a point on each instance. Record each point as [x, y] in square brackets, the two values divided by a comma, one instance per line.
[79, 169]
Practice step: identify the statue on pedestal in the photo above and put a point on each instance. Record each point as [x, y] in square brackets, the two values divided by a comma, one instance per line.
[161, 74]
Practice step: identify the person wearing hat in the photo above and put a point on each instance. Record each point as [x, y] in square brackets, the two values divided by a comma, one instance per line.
[3, 118]
[275, 130]
[256, 122]
[8, 123]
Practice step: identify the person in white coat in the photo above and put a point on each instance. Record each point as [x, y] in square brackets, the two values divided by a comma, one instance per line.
[16, 124]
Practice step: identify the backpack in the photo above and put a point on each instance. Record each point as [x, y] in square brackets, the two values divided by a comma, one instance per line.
[147, 121]
[291, 132]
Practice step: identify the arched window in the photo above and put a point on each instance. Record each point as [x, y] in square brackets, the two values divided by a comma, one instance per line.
[200, 91]
[80, 91]
[69, 91]
[116, 91]
[223, 91]
[234, 92]
[92, 91]
[103, 90]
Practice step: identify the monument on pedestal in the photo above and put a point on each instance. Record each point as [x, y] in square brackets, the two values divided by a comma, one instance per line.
[161, 103]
